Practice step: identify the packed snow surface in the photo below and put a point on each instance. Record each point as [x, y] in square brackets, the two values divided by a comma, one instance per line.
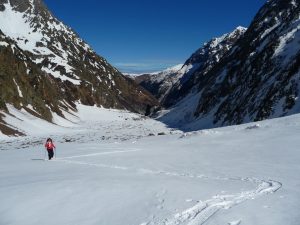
[110, 170]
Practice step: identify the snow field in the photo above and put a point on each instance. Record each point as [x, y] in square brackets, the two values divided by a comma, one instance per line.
[246, 174]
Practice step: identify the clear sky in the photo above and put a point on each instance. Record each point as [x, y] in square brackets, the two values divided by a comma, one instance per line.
[150, 35]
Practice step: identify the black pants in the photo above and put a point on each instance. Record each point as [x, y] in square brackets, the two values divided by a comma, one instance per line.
[50, 153]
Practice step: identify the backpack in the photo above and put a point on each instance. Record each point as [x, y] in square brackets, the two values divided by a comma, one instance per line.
[49, 145]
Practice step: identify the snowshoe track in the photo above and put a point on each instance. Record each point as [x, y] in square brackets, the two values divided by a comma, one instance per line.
[203, 210]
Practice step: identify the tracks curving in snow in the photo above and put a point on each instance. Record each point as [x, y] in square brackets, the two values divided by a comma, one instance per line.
[203, 210]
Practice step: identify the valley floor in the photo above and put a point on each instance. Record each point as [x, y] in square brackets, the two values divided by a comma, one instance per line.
[110, 170]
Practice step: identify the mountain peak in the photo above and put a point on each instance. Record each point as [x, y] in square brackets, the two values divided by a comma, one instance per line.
[259, 79]
[241, 28]
[213, 48]
[173, 84]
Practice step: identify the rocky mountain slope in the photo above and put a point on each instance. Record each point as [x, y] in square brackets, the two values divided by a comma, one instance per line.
[257, 79]
[46, 67]
[200, 63]
[173, 84]
[161, 82]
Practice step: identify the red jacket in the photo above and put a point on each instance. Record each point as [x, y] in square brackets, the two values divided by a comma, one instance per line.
[49, 145]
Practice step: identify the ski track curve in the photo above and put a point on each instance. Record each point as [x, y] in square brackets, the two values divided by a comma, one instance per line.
[203, 210]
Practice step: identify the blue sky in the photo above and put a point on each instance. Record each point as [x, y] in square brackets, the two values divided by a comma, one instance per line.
[150, 35]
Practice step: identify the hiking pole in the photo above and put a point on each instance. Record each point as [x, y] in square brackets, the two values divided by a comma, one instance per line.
[44, 154]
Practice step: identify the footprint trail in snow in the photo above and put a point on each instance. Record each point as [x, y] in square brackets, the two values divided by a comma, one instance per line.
[203, 210]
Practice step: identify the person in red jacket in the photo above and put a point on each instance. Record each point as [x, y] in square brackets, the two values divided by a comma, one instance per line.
[50, 147]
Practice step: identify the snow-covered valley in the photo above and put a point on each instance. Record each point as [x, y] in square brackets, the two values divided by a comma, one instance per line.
[110, 169]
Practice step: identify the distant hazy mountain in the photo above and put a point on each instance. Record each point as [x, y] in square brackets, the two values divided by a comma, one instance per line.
[160, 83]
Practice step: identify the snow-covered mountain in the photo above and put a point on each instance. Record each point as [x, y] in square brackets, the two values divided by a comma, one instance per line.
[200, 63]
[160, 83]
[257, 79]
[46, 67]
[172, 84]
